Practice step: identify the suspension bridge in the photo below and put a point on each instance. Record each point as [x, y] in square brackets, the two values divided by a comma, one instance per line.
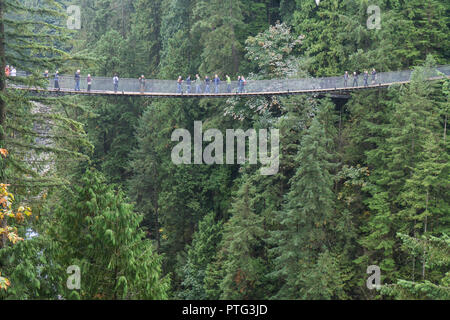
[334, 86]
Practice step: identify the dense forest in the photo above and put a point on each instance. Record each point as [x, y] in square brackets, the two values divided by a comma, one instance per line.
[88, 181]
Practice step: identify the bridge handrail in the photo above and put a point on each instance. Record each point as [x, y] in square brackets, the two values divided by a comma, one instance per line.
[67, 82]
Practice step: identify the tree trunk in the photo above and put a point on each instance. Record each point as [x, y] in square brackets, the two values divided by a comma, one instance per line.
[2, 78]
[424, 232]
[2, 101]
[445, 128]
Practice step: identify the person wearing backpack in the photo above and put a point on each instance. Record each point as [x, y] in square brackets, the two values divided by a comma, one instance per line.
[244, 82]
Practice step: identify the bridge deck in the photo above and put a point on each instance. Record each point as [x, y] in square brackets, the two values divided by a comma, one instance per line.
[168, 89]
[345, 91]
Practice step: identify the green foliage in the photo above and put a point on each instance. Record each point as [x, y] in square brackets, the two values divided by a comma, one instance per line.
[436, 253]
[362, 181]
[100, 233]
[201, 253]
[306, 222]
[242, 257]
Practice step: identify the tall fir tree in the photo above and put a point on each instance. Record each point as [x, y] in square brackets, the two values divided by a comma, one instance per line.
[99, 232]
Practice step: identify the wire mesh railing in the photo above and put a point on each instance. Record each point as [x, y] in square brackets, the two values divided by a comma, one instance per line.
[154, 86]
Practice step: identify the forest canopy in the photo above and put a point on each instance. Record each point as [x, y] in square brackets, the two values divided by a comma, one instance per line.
[88, 181]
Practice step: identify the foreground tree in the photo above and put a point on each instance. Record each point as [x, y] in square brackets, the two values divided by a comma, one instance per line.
[100, 233]
[303, 243]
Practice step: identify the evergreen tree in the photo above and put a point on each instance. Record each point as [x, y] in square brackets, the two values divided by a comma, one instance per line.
[145, 38]
[243, 255]
[216, 23]
[305, 221]
[100, 233]
[436, 250]
[201, 253]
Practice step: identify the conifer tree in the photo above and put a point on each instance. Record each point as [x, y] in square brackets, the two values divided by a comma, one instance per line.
[306, 218]
[216, 23]
[99, 232]
[414, 120]
[437, 252]
[201, 253]
[243, 255]
[39, 132]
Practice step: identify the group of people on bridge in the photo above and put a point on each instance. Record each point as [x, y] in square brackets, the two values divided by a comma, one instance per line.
[365, 78]
[197, 82]
[201, 86]
[77, 78]
[10, 71]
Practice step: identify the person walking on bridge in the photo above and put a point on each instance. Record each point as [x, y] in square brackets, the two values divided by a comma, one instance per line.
[366, 78]
[216, 83]
[197, 83]
[240, 85]
[89, 82]
[56, 79]
[46, 79]
[228, 83]
[179, 82]
[188, 84]
[142, 83]
[374, 76]
[77, 80]
[243, 83]
[207, 81]
[345, 79]
[116, 82]
[355, 79]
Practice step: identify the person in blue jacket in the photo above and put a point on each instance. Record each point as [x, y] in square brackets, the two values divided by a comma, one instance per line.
[207, 81]
[216, 83]
[240, 84]
[188, 84]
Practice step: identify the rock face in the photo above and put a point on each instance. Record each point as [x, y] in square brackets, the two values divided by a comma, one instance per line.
[41, 161]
